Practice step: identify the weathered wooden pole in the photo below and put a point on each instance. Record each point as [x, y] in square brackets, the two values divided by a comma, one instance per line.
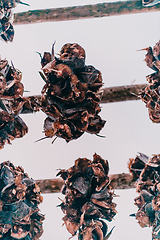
[122, 93]
[83, 12]
[111, 94]
[118, 181]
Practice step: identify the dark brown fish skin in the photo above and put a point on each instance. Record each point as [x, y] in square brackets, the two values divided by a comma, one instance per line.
[46, 59]
[156, 50]
[73, 55]
[135, 165]
[72, 88]
[149, 59]
[88, 197]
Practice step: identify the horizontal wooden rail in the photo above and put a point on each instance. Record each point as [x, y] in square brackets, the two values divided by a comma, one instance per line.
[122, 93]
[83, 12]
[118, 181]
[111, 94]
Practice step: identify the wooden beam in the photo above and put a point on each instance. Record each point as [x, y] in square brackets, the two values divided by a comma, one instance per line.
[111, 94]
[122, 93]
[118, 181]
[50, 185]
[122, 181]
[83, 12]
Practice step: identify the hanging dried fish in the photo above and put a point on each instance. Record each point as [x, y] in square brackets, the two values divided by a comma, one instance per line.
[147, 172]
[11, 103]
[151, 94]
[70, 96]
[88, 198]
[6, 19]
[19, 199]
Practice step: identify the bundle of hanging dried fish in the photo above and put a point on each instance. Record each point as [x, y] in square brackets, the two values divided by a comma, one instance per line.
[88, 198]
[6, 19]
[71, 95]
[147, 170]
[151, 94]
[19, 199]
[11, 103]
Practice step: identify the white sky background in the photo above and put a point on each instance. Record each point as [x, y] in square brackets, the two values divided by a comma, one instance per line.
[110, 45]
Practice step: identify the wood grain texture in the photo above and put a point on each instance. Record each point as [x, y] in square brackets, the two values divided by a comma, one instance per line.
[118, 181]
[122, 93]
[83, 12]
[111, 94]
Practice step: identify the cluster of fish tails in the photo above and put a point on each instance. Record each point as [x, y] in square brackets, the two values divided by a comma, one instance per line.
[151, 94]
[88, 199]
[6, 19]
[147, 172]
[19, 199]
[71, 94]
[11, 103]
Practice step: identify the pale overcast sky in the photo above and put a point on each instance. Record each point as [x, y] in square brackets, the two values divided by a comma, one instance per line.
[110, 45]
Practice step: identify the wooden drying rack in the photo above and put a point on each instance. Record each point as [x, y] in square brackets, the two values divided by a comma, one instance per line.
[111, 94]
